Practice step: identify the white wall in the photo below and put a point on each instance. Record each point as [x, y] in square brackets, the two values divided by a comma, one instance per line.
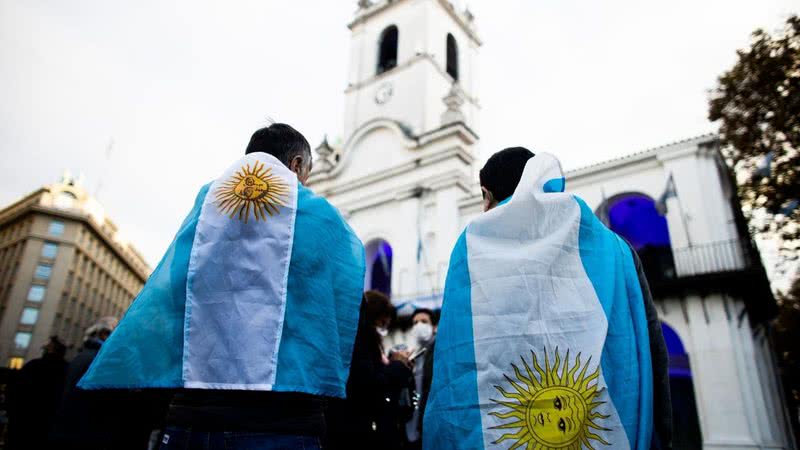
[737, 400]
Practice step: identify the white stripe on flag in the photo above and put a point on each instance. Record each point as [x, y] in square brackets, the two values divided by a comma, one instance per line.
[532, 302]
[238, 271]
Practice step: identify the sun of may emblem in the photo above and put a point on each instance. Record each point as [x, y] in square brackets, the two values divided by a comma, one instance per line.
[553, 408]
[256, 190]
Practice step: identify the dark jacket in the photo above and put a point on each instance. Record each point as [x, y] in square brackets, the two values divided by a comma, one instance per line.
[102, 419]
[33, 399]
[662, 402]
[427, 378]
[370, 416]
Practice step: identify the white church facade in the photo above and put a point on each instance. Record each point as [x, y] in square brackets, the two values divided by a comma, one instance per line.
[405, 178]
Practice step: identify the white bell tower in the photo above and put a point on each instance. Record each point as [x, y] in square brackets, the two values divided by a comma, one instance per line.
[405, 57]
[410, 131]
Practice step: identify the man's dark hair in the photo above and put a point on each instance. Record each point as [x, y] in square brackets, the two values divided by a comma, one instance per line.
[502, 172]
[57, 348]
[425, 311]
[281, 141]
[378, 305]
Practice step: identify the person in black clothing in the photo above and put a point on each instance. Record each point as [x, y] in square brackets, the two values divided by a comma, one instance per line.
[33, 398]
[107, 419]
[423, 333]
[370, 417]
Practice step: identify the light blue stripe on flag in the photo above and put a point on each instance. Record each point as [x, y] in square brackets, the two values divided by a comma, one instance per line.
[145, 351]
[451, 419]
[626, 362]
[237, 278]
[326, 282]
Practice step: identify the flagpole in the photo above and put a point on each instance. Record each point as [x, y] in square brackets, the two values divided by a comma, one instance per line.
[422, 253]
[604, 210]
[682, 213]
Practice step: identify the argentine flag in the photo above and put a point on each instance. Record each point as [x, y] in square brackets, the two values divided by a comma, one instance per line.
[260, 290]
[543, 340]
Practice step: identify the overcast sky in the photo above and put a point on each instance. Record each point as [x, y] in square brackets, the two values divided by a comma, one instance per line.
[180, 85]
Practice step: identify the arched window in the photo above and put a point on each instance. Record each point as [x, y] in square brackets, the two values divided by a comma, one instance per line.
[452, 57]
[387, 49]
[379, 266]
[686, 424]
[633, 216]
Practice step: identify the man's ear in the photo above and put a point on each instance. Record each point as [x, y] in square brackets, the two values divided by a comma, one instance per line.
[488, 199]
[296, 164]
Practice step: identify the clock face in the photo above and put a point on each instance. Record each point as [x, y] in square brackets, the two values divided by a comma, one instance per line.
[384, 93]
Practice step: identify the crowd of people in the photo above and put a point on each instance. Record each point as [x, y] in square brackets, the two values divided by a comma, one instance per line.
[46, 409]
[255, 334]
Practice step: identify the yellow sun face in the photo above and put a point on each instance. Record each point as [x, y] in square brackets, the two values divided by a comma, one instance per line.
[257, 191]
[553, 408]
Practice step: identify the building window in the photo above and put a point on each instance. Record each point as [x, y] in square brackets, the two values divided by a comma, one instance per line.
[43, 271]
[29, 316]
[22, 340]
[15, 362]
[36, 294]
[56, 228]
[452, 57]
[387, 49]
[49, 250]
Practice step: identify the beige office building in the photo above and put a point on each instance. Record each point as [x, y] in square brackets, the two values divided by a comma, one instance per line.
[63, 265]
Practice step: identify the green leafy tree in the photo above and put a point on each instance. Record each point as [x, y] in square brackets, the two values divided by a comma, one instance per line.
[758, 105]
[786, 339]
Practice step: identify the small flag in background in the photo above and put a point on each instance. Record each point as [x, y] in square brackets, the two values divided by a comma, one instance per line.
[790, 207]
[669, 192]
[764, 168]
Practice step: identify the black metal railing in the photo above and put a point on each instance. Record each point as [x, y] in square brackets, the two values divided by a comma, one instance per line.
[716, 257]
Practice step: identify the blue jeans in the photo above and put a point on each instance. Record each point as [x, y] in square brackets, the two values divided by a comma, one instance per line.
[175, 438]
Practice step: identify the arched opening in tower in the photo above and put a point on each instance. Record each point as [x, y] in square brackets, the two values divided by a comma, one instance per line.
[387, 49]
[685, 423]
[452, 57]
[379, 266]
[634, 217]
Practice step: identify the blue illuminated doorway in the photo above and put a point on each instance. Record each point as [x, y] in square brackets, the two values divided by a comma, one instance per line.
[685, 423]
[379, 266]
[634, 216]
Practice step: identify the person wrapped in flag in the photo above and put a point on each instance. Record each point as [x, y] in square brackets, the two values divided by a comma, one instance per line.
[548, 337]
[252, 313]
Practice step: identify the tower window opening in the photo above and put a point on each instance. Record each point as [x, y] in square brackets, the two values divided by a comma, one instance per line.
[452, 57]
[387, 49]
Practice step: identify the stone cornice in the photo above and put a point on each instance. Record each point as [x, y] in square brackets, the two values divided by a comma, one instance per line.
[463, 132]
[405, 191]
[662, 152]
[384, 5]
[121, 252]
[422, 161]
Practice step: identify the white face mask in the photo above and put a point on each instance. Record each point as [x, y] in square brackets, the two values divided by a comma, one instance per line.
[382, 332]
[422, 331]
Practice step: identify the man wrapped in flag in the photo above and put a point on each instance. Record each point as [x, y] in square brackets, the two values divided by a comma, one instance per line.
[259, 291]
[548, 337]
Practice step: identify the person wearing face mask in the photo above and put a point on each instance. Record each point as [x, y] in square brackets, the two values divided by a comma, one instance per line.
[423, 335]
[370, 416]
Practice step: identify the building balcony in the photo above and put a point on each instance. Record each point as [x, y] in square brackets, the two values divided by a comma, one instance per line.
[730, 267]
[716, 257]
